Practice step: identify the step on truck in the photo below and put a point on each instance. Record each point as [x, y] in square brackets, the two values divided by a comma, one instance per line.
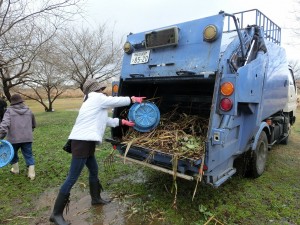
[228, 69]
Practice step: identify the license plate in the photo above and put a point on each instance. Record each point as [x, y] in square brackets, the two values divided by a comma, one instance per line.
[140, 57]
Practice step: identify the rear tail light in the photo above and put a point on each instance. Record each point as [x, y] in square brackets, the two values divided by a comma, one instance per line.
[204, 168]
[226, 99]
[226, 104]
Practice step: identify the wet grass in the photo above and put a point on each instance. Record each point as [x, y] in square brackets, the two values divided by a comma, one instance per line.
[273, 198]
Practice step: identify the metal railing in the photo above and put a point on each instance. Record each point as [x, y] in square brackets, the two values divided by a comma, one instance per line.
[272, 31]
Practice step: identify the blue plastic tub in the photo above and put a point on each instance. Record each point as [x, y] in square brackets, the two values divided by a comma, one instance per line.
[6, 153]
[146, 116]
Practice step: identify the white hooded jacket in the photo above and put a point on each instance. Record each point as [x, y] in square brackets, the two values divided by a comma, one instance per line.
[93, 116]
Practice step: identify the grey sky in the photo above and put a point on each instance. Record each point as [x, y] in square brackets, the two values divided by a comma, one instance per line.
[141, 15]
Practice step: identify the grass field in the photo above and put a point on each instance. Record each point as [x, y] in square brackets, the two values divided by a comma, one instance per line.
[273, 198]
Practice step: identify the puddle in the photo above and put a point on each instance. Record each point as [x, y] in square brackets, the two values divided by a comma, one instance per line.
[81, 212]
[135, 178]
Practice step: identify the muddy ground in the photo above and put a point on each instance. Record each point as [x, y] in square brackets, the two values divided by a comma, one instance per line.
[81, 212]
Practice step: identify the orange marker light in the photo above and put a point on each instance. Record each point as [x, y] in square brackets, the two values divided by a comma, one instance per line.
[269, 122]
[227, 88]
[115, 88]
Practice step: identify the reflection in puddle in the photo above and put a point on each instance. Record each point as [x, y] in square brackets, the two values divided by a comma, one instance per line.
[111, 214]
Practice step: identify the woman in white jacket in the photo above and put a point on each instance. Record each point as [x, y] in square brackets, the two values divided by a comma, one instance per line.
[88, 131]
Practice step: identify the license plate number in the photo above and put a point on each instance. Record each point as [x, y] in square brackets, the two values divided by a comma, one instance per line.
[140, 57]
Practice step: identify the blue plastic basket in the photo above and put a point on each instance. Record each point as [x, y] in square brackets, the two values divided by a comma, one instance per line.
[6, 153]
[146, 116]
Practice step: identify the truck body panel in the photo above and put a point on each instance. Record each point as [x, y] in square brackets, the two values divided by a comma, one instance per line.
[192, 54]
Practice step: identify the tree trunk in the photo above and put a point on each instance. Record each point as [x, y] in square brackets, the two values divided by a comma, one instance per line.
[6, 90]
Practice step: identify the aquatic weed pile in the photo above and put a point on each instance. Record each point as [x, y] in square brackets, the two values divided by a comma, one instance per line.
[179, 134]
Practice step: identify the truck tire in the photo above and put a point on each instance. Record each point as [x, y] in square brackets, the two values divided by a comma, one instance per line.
[259, 156]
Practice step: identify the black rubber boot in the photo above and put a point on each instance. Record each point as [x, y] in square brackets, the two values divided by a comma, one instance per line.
[95, 190]
[61, 202]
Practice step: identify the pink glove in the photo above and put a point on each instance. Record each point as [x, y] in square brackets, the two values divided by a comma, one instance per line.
[137, 99]
[128, 123]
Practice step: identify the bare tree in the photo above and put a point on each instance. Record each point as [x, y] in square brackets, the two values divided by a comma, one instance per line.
[17, 54]
[47, 79]
[91, 54]
[22, 25]
[296, 9]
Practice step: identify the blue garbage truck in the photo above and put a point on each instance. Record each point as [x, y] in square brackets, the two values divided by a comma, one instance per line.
[227, 68]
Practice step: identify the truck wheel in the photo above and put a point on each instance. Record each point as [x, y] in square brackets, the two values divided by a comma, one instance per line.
[259, 156]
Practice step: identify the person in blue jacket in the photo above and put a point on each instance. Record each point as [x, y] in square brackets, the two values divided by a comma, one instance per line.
[87, 132]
